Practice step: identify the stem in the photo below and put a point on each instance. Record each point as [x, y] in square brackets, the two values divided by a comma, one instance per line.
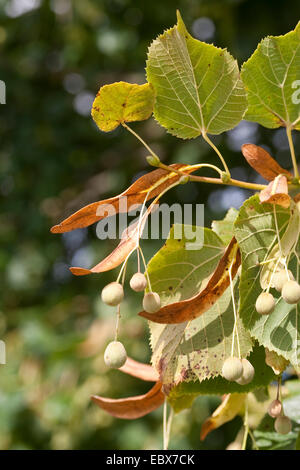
[205, 137]
[118, 322]
[246, 424]
[235, 329]
[140, 139]
[291, 144]
[201, 179]
[166, 425]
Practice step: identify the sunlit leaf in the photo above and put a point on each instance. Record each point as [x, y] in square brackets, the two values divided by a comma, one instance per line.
[182, 395]
[191, 308]
[256, 232]
[269, 77]
[192, 350]
[197, 85]
[224, 228]
[122, 102]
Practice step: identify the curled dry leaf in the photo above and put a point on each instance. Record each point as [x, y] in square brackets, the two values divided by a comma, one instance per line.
[133, 407]
[128, 243]
[153, 183]
[263, 163]
[276, 192]
[189, 309]
[228, 409]
[139, 370]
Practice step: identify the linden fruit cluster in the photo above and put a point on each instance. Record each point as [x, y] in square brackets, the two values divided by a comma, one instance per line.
[282, 424]
[113, 294]
[284, 283]
[238, 370]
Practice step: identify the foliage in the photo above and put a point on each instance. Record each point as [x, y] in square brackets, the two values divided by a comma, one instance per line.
[53, 332]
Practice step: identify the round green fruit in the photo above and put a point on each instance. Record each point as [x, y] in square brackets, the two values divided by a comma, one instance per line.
[248, 373]
[138, 282]
[265, 303]
[115, 355]
[151, 302]
[112, 294]
[291, 292]
[232, 369]
[283, 425]
[280, 278]
[275, 409]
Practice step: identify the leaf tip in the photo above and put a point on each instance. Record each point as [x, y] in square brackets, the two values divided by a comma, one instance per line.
[80, 271]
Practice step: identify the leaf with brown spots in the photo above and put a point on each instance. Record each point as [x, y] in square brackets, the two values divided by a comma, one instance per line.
[133, 407]
[263, 163]
[139, 370]
[276, 192]
[193, 350]
[189, 309]
[229, 408]
[122, 102]
[153, 183]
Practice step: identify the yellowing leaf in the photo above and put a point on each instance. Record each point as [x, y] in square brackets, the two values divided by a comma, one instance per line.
[122, 102]
[228, 409]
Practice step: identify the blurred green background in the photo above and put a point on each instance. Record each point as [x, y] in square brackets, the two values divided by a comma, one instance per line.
[54, 56]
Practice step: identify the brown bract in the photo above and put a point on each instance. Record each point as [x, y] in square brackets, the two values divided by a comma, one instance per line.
[133, 407]
[263, 163]
[192, 308]
[139, 370]
[154, 183]
[128, 243]
[276, 192]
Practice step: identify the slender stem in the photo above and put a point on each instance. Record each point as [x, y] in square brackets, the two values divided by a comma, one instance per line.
[165, 426]
[200, 179]
[253, 439]
[117, 322]
[145, 265]
[235, 329]
[246, 424]
[140, 139]
[205, 137]
[291, 144]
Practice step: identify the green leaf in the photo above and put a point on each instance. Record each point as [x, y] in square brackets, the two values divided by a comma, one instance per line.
[270, 77]
[122, 102]
[192, 350]
[255, 231]
[197, 85]
[183, 394]
[224, 228]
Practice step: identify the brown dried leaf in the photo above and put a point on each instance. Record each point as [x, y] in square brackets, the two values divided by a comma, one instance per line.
[189, 309]
[139, 370]
[276, 192]
[128, 243]
[156, 181]
[263, 163]
[228, 409]
[133, 407]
